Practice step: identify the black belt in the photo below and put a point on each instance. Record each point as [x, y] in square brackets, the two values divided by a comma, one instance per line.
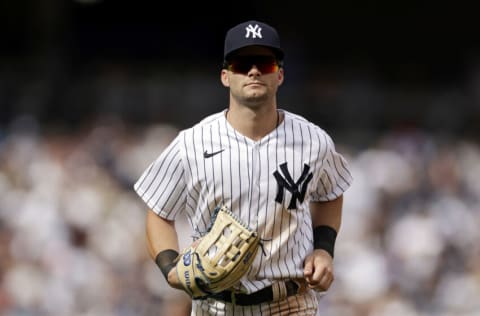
[262, 296]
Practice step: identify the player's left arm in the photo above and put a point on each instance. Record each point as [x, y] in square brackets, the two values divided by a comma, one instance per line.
[326, 221]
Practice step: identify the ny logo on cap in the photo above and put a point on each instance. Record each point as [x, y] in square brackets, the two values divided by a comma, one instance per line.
[256, 31]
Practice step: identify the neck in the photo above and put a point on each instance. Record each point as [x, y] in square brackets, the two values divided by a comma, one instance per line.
[253, 124]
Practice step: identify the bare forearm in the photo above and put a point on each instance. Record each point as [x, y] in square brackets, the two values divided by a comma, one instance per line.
[318, 265]
[161, 234]
[327, 213]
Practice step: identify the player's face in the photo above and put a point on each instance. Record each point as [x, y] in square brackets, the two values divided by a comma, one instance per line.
[253, 75]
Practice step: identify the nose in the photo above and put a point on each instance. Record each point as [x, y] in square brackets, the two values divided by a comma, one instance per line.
[254, 71]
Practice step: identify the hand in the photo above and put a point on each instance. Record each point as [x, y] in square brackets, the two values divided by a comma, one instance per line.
[318, 270]
[172, 277]
[173, 280]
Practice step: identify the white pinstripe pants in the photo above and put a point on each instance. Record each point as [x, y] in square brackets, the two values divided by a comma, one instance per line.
[300, 304]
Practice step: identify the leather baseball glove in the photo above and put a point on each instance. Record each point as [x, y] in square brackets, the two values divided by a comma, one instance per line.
[220, 258]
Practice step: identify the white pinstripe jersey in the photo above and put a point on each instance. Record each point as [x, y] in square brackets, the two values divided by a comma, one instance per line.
[267, 183]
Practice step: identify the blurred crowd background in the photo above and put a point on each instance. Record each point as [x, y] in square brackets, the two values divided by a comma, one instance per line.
[92, 91]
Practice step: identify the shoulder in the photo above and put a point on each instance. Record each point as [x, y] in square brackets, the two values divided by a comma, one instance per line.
[211, 119]
[304, 123]
[208, 121]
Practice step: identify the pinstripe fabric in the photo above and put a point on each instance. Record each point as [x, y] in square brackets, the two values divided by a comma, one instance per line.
[300, 305]
[248, 176]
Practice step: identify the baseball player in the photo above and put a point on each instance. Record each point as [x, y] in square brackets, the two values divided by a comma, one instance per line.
[278, 172]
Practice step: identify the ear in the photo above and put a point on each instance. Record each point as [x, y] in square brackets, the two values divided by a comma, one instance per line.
[280, 77]
[224, 78]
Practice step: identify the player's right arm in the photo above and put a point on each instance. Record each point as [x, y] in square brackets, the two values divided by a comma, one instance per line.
[162, 236]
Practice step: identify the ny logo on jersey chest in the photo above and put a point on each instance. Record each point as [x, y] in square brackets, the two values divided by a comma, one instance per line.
[296, 188]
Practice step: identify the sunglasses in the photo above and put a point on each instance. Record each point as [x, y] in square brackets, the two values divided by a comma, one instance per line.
[243, 64]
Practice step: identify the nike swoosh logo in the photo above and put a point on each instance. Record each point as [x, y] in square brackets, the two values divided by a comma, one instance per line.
[208, 155]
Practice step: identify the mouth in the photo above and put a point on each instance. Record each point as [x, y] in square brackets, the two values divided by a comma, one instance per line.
[255, 83]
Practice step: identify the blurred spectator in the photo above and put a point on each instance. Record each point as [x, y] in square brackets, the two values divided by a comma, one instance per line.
[72, 240]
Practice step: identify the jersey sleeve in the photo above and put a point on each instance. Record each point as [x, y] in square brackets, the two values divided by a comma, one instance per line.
[334, 177]
[162, 185]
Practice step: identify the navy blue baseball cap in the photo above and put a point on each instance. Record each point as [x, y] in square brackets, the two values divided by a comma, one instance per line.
[252, 33]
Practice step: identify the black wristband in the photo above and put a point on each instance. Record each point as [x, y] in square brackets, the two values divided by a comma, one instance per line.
[165, 260]
[324, 238]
